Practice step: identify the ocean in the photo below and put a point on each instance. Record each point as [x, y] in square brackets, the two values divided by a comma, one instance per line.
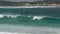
[30, 20]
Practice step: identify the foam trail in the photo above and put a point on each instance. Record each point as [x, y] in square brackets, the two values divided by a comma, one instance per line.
[6, 33]
[12, 33]
[22, 29]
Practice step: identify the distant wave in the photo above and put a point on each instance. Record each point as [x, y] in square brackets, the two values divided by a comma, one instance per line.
[31, 11]
[27, 7]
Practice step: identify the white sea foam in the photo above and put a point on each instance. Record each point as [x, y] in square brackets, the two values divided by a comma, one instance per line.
[12, 33]
[28, 6]
[13, 16]
[21, 29]
[6, 33]
[38, 17]
[1, 16]
[42, 17]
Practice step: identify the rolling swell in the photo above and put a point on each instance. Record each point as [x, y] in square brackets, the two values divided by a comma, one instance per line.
[45, 16]
[25, 20]
[29, 20]
[32, 11]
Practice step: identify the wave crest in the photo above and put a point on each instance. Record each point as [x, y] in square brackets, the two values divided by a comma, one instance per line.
[38, 17]
[32, 17]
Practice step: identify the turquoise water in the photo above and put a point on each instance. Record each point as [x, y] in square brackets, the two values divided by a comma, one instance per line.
[52, 19]
[33, 11]
[23, 20]
[30, 20]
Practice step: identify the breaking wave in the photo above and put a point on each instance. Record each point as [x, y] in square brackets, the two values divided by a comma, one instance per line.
[28, 16]
[30, 20]
[45, 22]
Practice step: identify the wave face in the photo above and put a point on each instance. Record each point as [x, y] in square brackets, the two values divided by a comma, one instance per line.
[30, 16]
[30, 20]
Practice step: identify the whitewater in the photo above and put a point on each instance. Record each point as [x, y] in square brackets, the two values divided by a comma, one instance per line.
[29, 16]
[22, 29]
[29, 20]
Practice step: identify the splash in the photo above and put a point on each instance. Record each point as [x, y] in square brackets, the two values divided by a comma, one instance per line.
[38, 17]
